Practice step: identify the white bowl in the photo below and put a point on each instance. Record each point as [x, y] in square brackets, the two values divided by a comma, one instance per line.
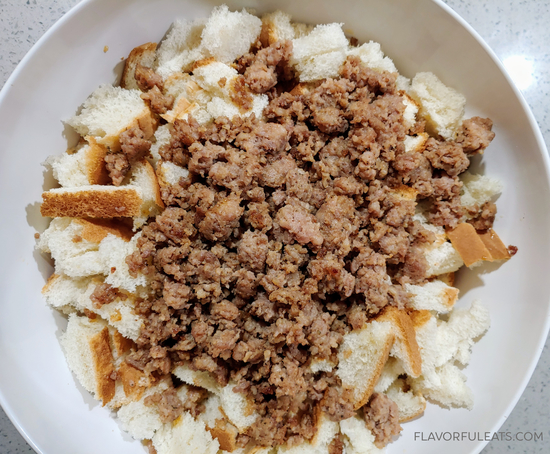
[38, 392]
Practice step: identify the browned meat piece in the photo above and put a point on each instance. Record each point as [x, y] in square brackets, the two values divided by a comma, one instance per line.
[475, 135]
[382, 418]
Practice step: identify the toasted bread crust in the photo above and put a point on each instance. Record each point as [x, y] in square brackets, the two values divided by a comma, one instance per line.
[420, 318]
[103, 365]
[130, 377]
[468, 244]
[122, 344]
[137, 55]
[122, 202]
[407, 335]
[226, 434]
[155, 182]
[418, 413]
[95, 230]
[494, 245]
[95, 163]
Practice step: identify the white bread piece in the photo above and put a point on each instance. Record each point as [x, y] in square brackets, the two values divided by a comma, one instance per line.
[228, 35]
[139, 420]
[372, 56]
[139, 199]
[318, 365]
[321, 66]
[85, 166]
[453, 391]
[88, 257]
[415, 143]
[403, 83]
[220, 107]
[170, 174]
[442, 107]
[144, 55]
[433, 296]
[184, 435]
[321, 40]
[62, 293]
[237, 408]
[456, 337]
[216, 422]
[411, 109]
[404, 348]
[362, 356]
[208, 76]
[198, 378]
[357, 438]
[301, 30]
[410, 405]
[276, 26]
[189, 98]
[109, 111]
[212, 411]
[88, 352]
[326, 430]
[180, 48]
[479, 189]
[392, 369]
[162, 138]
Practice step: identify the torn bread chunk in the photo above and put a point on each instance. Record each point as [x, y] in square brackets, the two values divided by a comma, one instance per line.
[170, 174]
[162, 139]
[84, 166]
[228, 35]
[88, 352]
[276, 26]
[435, 295]
[478, 189]
[109, 111]
[358, 439]
[410, 404]
[185, 434]
[180, 48]
[144, 55]
[139, 199]
[441, 106]
[372, 56]
[362, 356]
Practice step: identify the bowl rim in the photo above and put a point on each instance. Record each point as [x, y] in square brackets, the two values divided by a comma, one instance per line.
[83, 4]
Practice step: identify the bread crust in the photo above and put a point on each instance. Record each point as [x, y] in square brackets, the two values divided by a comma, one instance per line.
[468, 244]
[95, 163]
[103, 365]
[137, 55]
[494, 245]
[120, 202]
[95, 230]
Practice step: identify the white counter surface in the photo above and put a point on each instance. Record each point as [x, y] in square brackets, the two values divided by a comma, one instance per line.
[517, 30]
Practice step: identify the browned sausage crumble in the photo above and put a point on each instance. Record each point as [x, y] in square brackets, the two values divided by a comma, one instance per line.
[287, 234]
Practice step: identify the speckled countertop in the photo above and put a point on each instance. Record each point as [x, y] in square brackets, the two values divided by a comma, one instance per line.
[517, 30]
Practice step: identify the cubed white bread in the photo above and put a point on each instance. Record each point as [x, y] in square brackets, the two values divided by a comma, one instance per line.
[88, 352]
[62, 293]
[362, 356]
[145, 178]
[85, 166]
[189, 97]
[212, 411]
[479, 189]
[456, 337]
[391, 371]
[372, 56]
[410, 404]
[415, 143]
[89, 256]
[318, 365]
[443, 259]
[207, 77]
[276, 26]
[139, 420]
[403, 83]
[216, 422]
[322, 39]
[144, 55]
[109, 111]
[220, 107]
[325, 431]
[452, 392]
[411, 109]
[170, 174]
[228, 35]
[139, 199]
[301, 30]
[320, 66]
[404, 348]
[162, 138]
[433, 296]
[184, 435]
[441, 344]
[357, 438]
[180, 48]
[442, 107]
[237, 408]
[198, 378]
